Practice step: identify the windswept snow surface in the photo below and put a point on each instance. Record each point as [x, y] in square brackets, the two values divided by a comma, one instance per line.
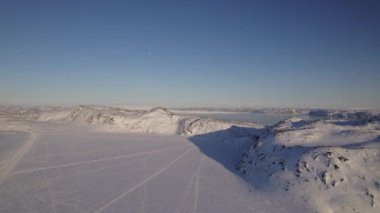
[101, 159]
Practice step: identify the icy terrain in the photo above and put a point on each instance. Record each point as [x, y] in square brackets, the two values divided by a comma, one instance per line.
[108, 159]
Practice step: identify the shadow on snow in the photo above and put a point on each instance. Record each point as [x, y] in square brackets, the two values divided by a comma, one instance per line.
[227, 146]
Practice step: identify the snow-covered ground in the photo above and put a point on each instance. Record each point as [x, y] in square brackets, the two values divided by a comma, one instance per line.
[112, 159]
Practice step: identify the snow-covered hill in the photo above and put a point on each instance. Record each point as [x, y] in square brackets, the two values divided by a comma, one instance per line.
[156, 120]
[334, 166]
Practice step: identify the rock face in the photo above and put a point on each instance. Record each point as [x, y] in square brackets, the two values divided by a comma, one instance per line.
[333, 165]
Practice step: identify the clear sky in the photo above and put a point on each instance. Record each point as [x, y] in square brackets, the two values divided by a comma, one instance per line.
[191, 53]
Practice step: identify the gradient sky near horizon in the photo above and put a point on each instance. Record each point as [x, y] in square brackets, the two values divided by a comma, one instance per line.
[191, 53]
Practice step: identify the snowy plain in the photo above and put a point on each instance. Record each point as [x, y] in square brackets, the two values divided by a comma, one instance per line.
[107, 159]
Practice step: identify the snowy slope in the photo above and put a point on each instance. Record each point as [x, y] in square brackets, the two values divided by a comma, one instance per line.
[334, 166]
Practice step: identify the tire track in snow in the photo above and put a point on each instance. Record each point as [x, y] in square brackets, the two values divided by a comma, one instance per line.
[9, 164]
[196, 190]
[182, 201]
[193, 181]
[116, 199]
[94, 161]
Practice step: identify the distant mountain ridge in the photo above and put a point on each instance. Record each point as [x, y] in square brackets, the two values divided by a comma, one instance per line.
[156, 120]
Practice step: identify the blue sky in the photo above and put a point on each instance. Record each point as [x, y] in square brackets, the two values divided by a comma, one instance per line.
[191, 53]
